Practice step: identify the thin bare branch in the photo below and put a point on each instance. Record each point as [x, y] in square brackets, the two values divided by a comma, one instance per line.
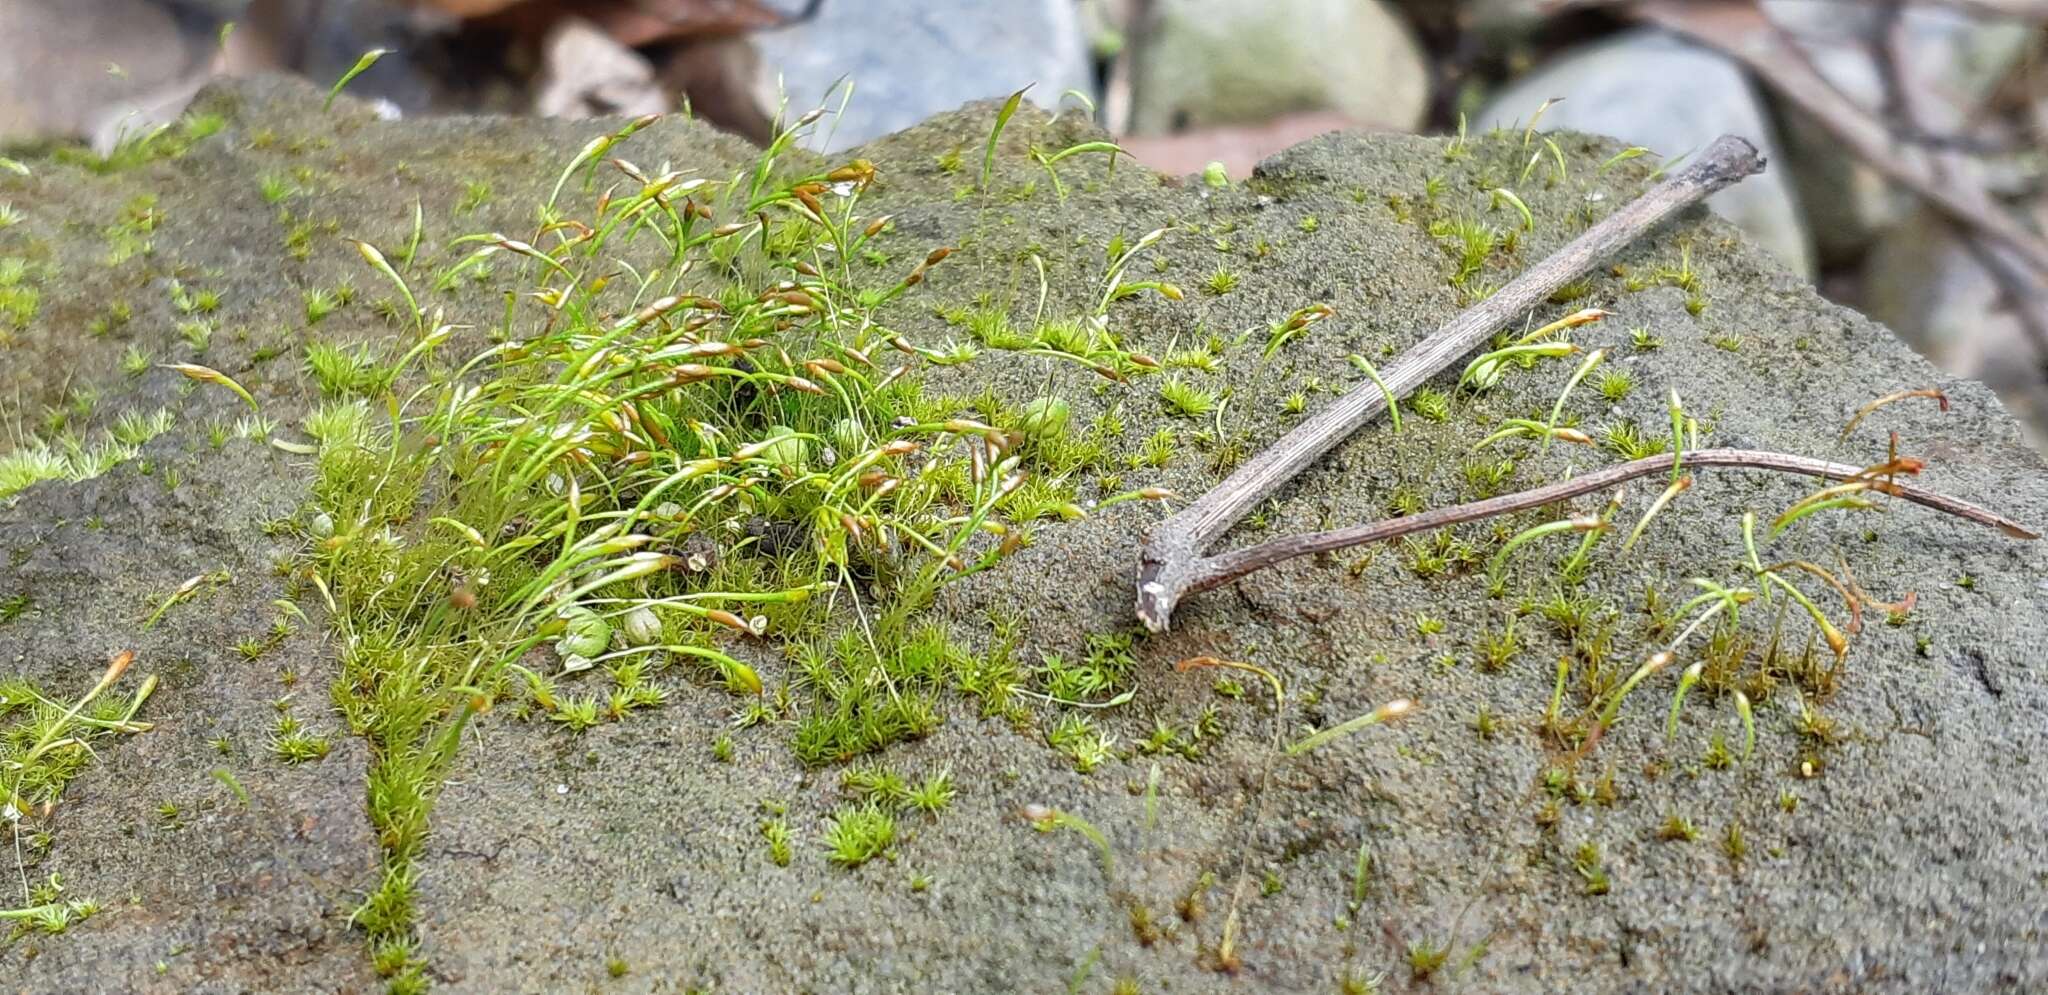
[1740, 30]
[2026, 10]
[2026, 293]
[1175, 546]
[1223, 568]
[1906, 99]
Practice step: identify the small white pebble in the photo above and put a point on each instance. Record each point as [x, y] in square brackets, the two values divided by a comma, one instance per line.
[561, 789]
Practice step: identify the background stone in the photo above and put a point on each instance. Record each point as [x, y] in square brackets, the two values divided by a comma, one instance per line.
[1955, 59]
[1648, 88]
[1234, 62]
[1929, 287]
[47, 90]
[910, 59]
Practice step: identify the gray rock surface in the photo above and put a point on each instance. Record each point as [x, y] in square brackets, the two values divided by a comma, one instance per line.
[1902, 848]
[203, 890]
[910, 59]
[1649, 88]
[1213, 62]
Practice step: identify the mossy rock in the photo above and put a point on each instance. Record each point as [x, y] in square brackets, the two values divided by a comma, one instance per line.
[1892, 838]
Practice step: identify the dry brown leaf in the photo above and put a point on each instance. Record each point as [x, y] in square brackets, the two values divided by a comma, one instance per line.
[632, 23]
[644, 22]
[467, 9]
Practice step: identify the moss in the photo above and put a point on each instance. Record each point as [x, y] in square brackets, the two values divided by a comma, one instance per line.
[889, 653]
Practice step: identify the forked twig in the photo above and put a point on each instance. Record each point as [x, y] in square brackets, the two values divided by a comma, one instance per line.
[1212, 571]
[1172, 559]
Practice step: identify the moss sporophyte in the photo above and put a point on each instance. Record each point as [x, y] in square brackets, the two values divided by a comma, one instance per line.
[689, 443]
[689, 450]
[44, 743]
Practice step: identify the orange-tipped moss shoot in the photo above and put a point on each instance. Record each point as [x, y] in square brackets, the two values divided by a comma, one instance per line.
[1517, 427]
[1393, 403]
[1487, 370]
[1385, 713]
[1676, 488]
[1837, 643]
[1722, 599]
[1045, 819]
[1272, 679]
[1586, 366]
[184, 590]
[1748, 723]
[1850, 599]
[1685, 683]
[1846, 497]
[1657, 661]
[207, 374]
[1141, 494]
[362, 65]
[1864, 411]
[1677, 408]
[1574, 567]
[1496, 569]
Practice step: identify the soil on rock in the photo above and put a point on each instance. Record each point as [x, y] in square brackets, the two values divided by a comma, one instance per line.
[1899, 848]
[218, 868]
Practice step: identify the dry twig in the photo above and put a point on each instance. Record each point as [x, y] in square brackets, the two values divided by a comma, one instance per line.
[1738, 29]
[1212, 571]
[1172, 561]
